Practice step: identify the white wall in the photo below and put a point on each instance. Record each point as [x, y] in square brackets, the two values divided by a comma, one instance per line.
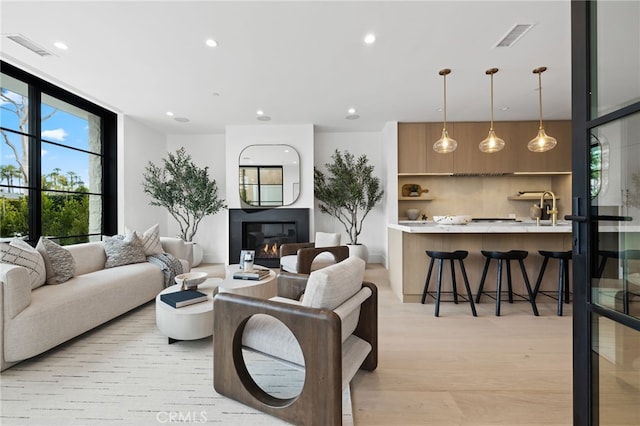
[137, 145]
[207, 151]
[374, 229]
[390, 155]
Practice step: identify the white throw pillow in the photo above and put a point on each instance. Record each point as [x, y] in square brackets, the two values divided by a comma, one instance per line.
[327, 239]
[150, 240]
[19, 252]
[58, 261]
[329, 287]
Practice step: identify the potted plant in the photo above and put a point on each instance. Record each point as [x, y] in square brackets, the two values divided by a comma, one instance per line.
[348, 192]
[185, 190]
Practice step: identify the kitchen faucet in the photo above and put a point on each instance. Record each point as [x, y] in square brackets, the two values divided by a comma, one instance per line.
[554, 210]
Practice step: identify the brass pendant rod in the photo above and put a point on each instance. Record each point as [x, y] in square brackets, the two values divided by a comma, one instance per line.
[539, 71]
[444, 73]
[491, 72]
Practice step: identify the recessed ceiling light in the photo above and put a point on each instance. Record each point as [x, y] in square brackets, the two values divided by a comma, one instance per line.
[369, 38]
[351, 110]
[260, 112]
[60, 45]
[169, 113]
[504, 109]
[211, 42]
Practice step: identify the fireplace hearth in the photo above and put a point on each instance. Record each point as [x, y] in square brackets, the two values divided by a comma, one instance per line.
[264, 230]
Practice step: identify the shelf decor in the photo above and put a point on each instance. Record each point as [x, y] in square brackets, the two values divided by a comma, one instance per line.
[413, 190]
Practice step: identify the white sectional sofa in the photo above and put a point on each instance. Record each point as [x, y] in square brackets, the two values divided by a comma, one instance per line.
[36, 320]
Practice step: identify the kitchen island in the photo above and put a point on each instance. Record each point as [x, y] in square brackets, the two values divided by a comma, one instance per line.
[408, 262]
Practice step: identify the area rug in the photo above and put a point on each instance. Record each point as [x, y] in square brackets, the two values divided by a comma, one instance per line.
[125, 373]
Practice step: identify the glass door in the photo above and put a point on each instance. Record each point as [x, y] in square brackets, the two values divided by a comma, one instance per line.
[606, 212]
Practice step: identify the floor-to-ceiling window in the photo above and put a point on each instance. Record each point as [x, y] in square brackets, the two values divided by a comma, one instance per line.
[606, 211]
[57, 162]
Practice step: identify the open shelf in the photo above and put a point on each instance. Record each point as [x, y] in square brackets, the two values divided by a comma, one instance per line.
[401, 198]
[527, 198]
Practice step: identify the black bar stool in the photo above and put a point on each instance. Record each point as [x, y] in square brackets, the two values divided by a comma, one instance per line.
[458, 255]
[518, 255]
[625, 256]
[563, 276]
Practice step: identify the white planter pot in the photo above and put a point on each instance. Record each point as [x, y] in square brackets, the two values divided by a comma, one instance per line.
[359, 250]
[194, 253]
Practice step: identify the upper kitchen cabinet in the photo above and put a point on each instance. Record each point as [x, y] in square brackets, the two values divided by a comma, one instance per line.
[557, 160]
[416, 154]
[415, 149]
[468, 159]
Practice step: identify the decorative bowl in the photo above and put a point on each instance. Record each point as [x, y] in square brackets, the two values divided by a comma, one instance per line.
[412, 214]
[452, 220]
[191, 280]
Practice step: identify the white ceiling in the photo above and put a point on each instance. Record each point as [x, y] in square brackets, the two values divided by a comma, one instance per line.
[299, 62]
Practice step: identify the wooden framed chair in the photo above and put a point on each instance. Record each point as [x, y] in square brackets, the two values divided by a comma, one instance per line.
[331, 333]
[302, 258]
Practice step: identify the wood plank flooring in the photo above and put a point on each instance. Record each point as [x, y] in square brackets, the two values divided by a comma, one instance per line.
[459, 370]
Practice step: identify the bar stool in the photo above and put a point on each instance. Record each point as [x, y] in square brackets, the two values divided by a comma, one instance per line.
[563, 276]
[458, 255]
[518, 255]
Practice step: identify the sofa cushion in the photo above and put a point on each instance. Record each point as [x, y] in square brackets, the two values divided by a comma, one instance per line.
[327, 239]
[19, 252]
[123, 250]
[58, 261]
[329, 287]
[150, 240]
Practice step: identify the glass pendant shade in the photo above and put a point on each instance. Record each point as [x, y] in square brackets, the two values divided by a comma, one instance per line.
[542, 142]
[492, 143]
[445, 144]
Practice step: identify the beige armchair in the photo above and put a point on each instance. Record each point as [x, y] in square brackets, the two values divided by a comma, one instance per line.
[335, 326]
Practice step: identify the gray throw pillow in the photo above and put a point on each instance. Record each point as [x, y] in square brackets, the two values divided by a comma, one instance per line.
[60, 264]
[123, 250]
[19, 252]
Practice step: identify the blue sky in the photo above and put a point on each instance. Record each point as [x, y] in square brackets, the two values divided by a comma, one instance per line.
[62, 127]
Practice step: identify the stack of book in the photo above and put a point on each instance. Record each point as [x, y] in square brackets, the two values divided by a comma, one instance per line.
[182, 298]
[256, 274]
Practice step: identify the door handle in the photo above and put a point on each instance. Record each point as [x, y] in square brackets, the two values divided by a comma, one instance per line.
[574, 218]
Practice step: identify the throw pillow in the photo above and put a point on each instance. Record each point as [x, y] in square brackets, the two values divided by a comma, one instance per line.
[59, 263]
[150, 240]
[327, 239]
[19, 252]
[123, 250]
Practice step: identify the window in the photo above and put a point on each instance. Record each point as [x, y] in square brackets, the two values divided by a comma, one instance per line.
[261, 185]
[57, 162]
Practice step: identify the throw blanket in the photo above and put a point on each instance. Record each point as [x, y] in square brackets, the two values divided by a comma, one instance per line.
[169, 265]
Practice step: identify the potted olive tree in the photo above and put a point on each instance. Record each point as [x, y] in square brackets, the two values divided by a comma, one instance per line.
[186, 191]
[348, 192]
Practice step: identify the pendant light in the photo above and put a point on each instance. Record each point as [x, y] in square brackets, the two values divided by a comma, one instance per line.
[542, 142]
[492, 143]
[445, 144]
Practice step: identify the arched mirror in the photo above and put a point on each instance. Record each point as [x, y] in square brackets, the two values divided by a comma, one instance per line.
[269, 175]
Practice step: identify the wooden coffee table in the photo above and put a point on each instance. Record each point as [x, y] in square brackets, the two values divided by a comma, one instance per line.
[264, 289]
[189, 322]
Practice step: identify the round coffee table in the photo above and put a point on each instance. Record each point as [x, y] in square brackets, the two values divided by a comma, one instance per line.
[189, 322]
[264, 288]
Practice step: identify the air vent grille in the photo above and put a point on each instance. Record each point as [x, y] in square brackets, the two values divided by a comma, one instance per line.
[25, 42]
[513, 35]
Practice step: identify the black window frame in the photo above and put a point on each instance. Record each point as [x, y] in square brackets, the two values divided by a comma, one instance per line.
[108, 135]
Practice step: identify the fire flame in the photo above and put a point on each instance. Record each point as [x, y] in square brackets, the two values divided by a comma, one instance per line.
[270, 250]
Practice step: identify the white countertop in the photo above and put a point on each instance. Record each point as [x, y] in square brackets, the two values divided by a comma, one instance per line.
[430, 227]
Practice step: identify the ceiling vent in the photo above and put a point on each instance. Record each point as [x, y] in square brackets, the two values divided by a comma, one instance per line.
[25, 42]
[513, 35]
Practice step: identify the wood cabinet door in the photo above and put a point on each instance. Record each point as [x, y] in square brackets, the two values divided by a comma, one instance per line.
[412, 148]
[469, 159]
[556, 160]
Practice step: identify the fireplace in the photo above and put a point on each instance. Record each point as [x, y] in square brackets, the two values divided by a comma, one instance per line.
[264, 230]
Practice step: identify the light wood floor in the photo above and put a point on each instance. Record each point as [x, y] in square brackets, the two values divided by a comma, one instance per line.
[459, 370]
